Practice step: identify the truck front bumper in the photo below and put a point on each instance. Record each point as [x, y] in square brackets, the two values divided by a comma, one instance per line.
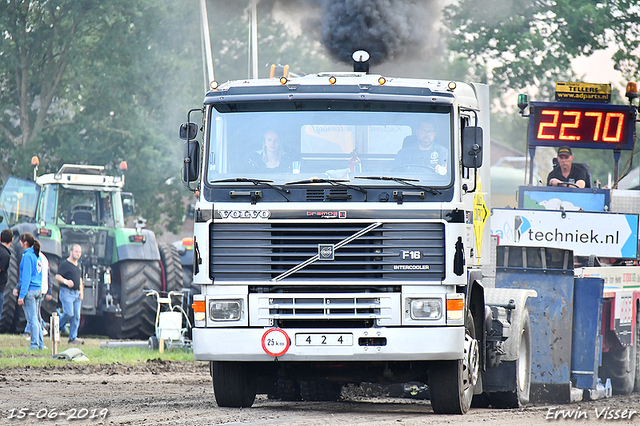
[373, 344]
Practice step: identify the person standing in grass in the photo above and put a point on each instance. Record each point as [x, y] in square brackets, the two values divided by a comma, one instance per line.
[71, 292]
[6, 238]
[31, 286]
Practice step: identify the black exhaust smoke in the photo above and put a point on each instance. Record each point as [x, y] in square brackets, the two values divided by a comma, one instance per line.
[387, 29]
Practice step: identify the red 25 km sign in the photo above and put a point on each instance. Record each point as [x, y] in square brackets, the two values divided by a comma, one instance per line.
[581, 125]
[275, 342]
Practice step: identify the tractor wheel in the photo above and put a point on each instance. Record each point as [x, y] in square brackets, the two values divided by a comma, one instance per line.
[234, 384]
[451, 382]
[10, 305]
[172, 268]
[138, 310]
[49, 306]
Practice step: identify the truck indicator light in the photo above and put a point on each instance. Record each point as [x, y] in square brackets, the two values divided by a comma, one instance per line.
[455, 309]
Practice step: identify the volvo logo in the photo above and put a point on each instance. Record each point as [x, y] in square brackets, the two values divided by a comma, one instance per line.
[244, 214]
[325, 251]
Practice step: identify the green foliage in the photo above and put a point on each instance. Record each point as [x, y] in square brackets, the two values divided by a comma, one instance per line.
[527, 42]
[95, 82]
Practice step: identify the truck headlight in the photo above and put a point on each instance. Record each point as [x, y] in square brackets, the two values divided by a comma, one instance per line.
[225, 310]
[426, 309]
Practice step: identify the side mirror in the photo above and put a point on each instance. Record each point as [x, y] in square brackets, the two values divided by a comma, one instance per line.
[128, 204]
[472, 147]
[191, 161]
[188, 131]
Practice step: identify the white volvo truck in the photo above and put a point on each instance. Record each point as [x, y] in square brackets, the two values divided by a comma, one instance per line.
[332, 246]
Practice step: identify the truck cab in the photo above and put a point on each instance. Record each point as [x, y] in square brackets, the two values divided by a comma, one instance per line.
[330, 236]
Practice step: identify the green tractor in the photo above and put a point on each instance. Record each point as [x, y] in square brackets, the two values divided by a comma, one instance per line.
[82, 205]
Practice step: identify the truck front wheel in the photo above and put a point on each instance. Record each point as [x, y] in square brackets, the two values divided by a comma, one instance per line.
[451, 382]
[233, 384]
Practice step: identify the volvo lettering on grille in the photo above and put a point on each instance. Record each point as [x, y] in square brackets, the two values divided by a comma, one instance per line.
[244, 214]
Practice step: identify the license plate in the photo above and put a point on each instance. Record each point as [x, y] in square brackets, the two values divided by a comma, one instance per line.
[324, 339]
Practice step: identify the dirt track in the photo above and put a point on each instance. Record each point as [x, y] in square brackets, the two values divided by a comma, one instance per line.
[164, 393]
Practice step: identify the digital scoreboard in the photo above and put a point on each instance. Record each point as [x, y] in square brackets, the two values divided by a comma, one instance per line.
[581, 125]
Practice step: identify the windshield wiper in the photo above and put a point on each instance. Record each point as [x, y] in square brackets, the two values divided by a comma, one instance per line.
[333, 182]
[282, 191]
[403, 181]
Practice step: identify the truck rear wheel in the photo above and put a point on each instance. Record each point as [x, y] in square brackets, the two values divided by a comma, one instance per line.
[451, 382]
[233, 384]
[319, 390]
[10, 301]
[172, 275]
[520, 396]
[138, 311]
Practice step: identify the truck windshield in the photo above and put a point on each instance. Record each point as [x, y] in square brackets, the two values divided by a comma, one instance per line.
[331, 140]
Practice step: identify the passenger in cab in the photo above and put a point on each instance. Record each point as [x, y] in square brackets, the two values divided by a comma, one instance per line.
[272, 156]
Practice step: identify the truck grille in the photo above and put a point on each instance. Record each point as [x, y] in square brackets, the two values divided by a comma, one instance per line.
[309, 310]
[262, 251]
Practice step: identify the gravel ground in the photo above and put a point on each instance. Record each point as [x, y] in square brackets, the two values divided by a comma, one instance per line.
[166, 393]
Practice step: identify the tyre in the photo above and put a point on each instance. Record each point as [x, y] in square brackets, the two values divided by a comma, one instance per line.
[320, 390]
[234, 384]
[49, 306]
[620, 367]
[10, 305]
[138, 316]
[154, 343]
[172, 268]
[520, 396]
[451, 382]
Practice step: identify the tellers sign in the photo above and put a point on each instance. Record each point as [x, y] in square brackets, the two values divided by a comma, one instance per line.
[581, 125]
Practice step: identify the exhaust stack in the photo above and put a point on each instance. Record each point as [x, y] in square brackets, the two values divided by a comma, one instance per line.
[361, 61]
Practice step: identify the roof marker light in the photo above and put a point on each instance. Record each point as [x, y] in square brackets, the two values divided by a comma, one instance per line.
[632, 90]
[332, 80]
[382, 80]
